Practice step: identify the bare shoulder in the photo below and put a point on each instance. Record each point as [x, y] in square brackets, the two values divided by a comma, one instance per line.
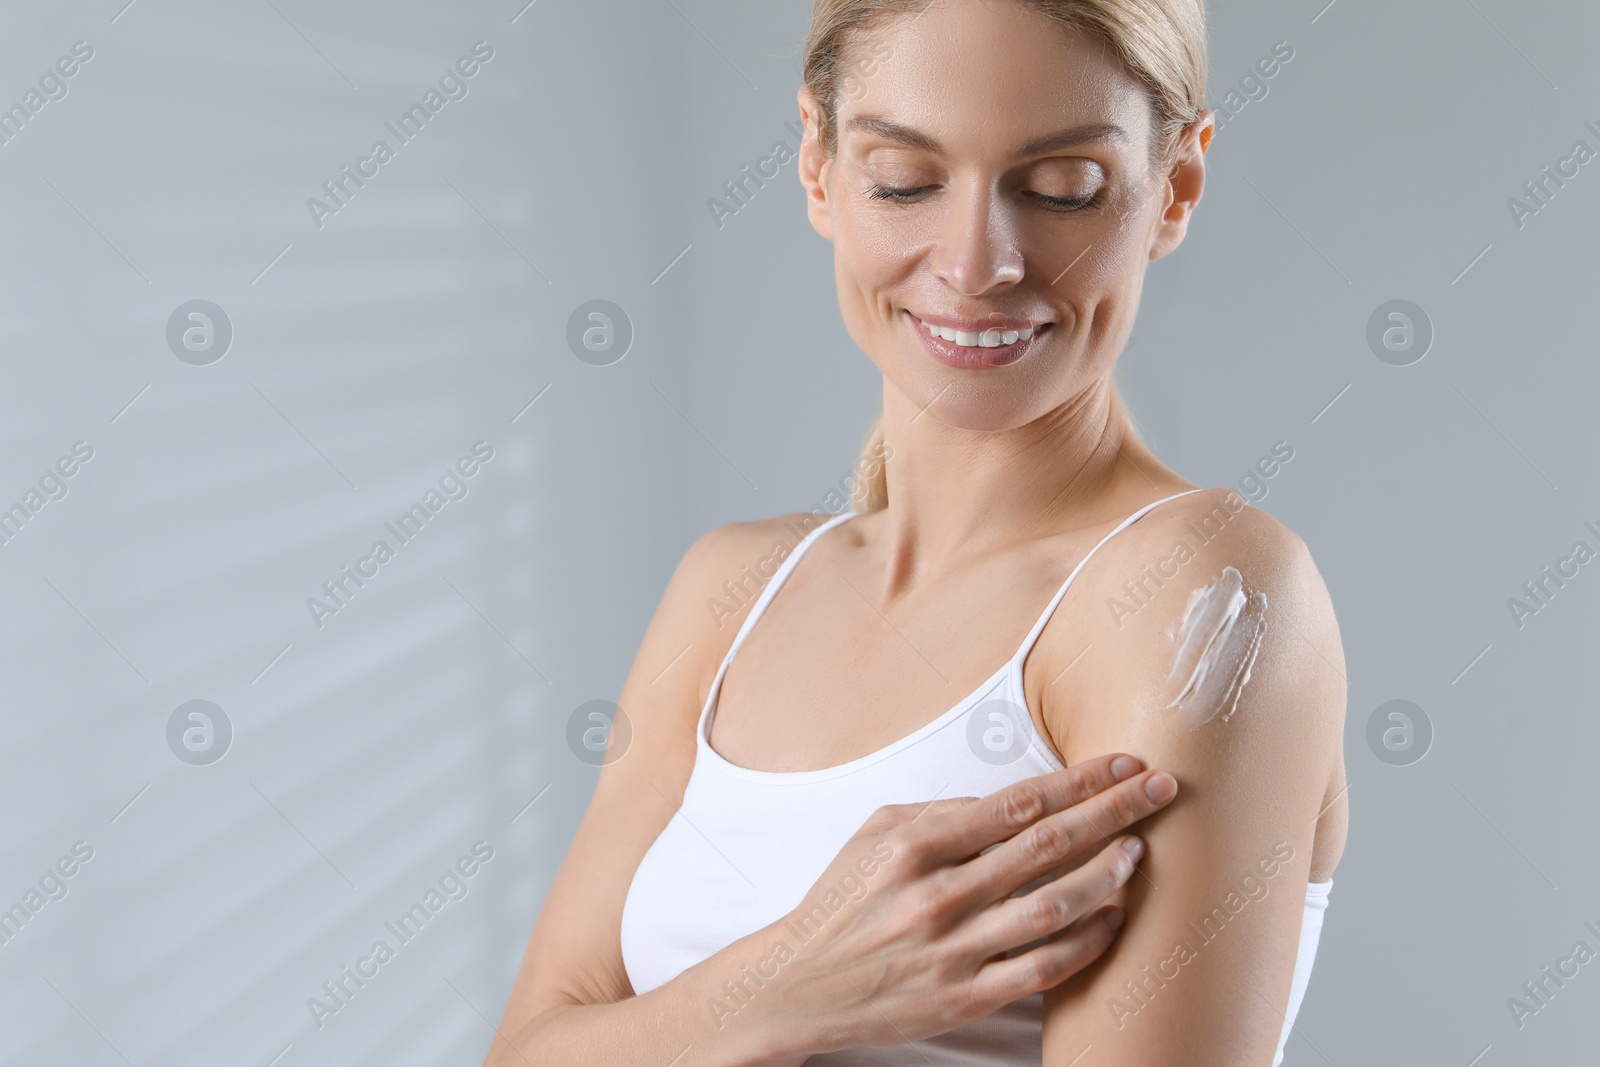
[717, 582]
[1210, 524]
[1138, 587]
[1207, 625]
[752, 542]
[729, 565]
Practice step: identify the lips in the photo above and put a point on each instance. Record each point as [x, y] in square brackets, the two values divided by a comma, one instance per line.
[963, 356]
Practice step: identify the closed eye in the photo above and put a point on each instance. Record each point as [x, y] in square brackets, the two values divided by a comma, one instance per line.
[1055, 203]
[885, 192]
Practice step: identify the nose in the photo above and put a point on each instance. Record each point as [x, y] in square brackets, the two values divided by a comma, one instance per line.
[977, 248]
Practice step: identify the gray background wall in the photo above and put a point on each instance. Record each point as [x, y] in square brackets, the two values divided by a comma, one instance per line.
[431, 711]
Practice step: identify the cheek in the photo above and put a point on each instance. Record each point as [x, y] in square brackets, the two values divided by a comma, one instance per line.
[1108, 251]
[874, 255]
[876, 243]
[1095, 271]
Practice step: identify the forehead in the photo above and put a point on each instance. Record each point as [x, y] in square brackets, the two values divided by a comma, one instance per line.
[986, 76]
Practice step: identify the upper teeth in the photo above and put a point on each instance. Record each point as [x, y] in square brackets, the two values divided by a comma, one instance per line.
[993, 338]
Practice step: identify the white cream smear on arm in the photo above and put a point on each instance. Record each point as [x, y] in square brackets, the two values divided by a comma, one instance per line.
[1217, 638]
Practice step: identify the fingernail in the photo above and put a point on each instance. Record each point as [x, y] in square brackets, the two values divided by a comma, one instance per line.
[1124, 767]
[1114, 920]
[1134, 847]
[1161, 787]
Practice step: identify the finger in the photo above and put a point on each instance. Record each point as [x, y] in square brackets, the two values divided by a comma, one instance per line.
[1057, 904]
[1000, 815]
[1002, 981]
[1053, 841]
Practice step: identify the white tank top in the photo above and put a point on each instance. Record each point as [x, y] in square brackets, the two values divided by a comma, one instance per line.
[746, 845]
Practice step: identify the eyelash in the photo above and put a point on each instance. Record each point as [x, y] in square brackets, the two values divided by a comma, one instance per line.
[1054, 203]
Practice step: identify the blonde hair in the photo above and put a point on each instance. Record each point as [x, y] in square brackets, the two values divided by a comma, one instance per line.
[1162, 44]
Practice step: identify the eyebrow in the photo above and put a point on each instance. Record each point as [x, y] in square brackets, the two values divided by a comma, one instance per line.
[1067, 138]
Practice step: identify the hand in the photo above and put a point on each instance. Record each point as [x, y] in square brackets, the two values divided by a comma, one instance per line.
[921, 945]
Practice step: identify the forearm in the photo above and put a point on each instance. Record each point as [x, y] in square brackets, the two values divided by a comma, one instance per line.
[672, 1023]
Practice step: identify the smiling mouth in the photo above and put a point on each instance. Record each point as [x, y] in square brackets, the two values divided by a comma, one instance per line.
[993, 347]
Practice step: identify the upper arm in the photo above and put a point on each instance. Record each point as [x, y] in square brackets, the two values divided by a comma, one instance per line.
[574, 953]
[1200, 974]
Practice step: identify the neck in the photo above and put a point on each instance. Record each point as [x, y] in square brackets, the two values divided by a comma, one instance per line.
[956, 493]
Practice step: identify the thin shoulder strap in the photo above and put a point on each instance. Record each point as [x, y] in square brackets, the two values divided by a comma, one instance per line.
[778, 578]
[1038, 627]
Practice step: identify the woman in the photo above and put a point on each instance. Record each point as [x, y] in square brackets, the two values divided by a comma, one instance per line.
[799, 856]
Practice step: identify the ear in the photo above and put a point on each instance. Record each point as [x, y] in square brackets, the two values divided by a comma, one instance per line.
[814, 165]
[1181, 188]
